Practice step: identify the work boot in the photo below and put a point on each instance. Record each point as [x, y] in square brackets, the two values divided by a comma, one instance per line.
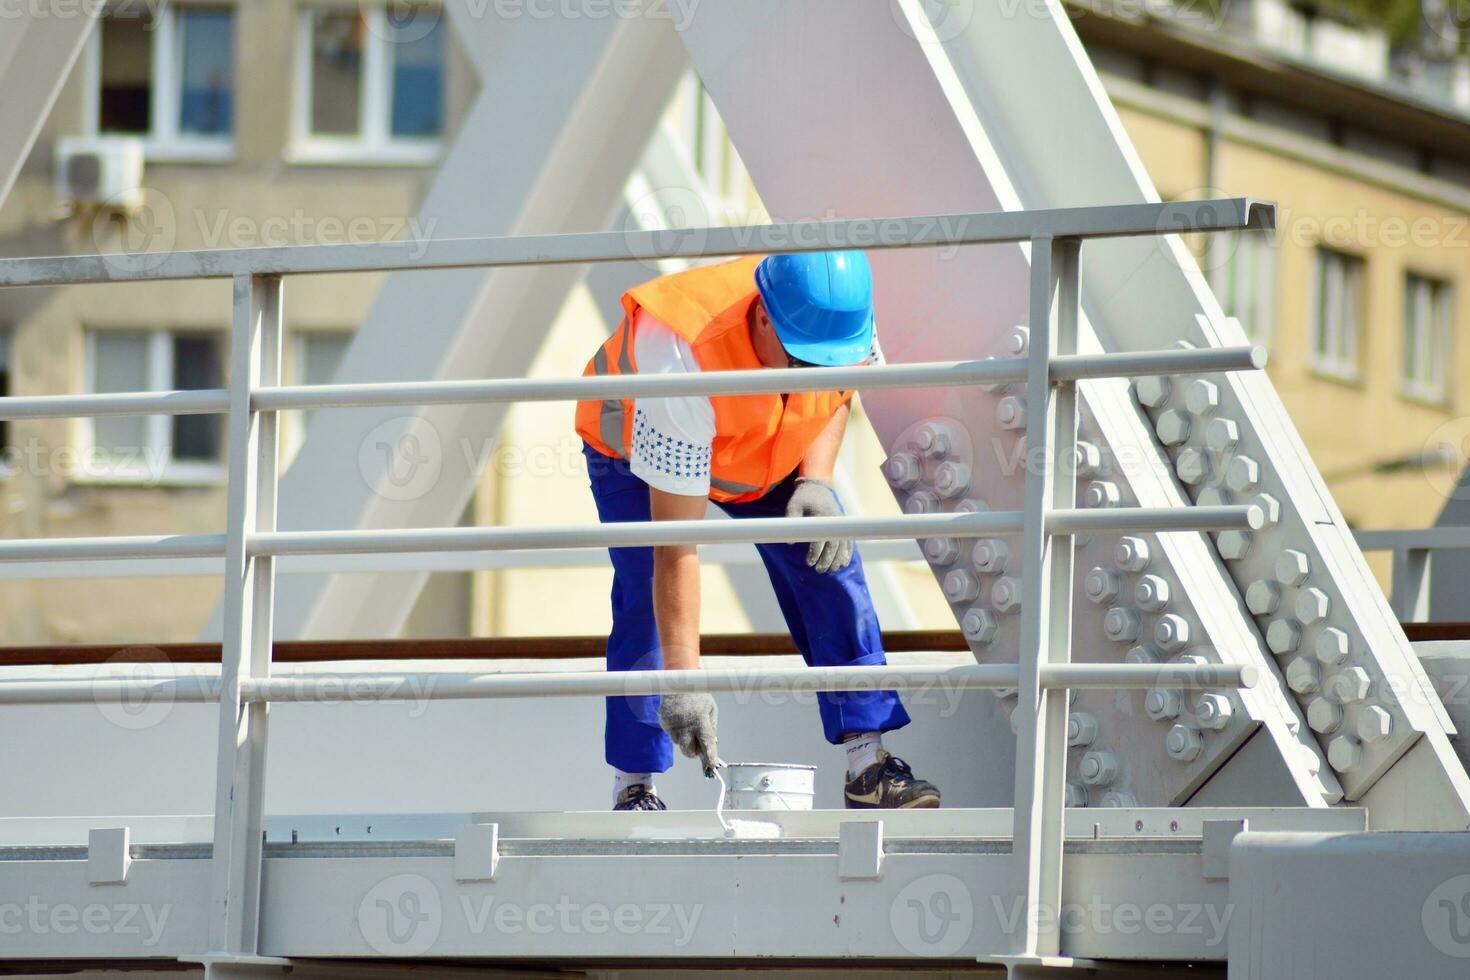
[638, 797]
[889, 784]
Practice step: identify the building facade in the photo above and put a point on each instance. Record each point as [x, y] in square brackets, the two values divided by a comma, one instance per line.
[280, 122]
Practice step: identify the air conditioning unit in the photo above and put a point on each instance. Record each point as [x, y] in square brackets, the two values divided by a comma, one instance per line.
[100, 172]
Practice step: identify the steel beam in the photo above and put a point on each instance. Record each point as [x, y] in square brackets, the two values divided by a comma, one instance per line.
[38, 45]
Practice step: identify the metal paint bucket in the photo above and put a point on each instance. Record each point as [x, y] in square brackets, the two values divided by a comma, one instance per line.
[770, 786]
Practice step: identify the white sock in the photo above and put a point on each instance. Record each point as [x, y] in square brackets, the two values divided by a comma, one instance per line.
[622, 780]
[862, 751]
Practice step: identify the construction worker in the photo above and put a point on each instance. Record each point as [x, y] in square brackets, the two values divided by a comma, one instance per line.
[755, 456]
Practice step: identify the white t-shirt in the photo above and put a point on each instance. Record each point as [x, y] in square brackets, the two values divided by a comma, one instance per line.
[672, 437]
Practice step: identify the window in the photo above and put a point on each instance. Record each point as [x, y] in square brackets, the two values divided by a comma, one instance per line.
[1337, 299]
[1426, 355]
[1246, 283]
[318, 355]
[154, 448]
[371, 84]
[166, 77]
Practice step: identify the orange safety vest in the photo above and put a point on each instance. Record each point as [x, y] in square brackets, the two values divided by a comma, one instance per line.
[759, 439]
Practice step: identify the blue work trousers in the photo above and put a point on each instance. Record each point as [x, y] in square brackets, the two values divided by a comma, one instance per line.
[830, 616]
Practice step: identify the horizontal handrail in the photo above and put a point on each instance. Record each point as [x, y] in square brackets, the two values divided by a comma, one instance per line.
[799, 236]
[1448, 538]
[765, 530]
[771, 530]
[551, 684]
[928, 374]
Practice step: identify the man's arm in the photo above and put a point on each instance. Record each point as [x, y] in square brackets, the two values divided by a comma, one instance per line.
[676, 582]
[821, 455]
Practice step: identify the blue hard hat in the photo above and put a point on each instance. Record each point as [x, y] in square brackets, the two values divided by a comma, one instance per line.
[821, 304]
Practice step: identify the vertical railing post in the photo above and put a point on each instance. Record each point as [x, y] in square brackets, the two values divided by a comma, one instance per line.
[1046, 605]
[255, 360]
[1409, 588]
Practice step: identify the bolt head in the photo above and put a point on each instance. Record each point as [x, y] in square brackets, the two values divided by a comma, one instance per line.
[1374, 723]
[1100, 585]
[1303, 676]
[1262, 597]
[951, 479]
[1192, 466]
[1098, 767]
[1233, 545]
[1076, 796]
[1161, 704]
[933, 439]
[921, 502]
[1283, 636]
[1242, 473]
[1221, 435]
[1292, 567]
[1131, 554]
[1184, 743]
[1270, 509]
[980, 625]
[1018, 341]
[990, 555]
[1213, 710]
[1323, 716]
[1010, 412]
[1081, 728]
[1351, 685]
[1312, 606]
[1171, 632]
[1172, 427]
[970, 506]
[1143, 654]
[961, 585]
[1212, 497]
[1121, 624]
[941, 551]
[1202, 396]
[1005, 594]
[1086, 458]
[1331, 646]
[1152, 592]
[1152, 391]
[1344, 753]
[1101, 493]
[1119, 799]
[902, 470]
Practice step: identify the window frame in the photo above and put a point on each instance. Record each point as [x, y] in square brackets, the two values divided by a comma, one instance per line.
[374, 144]
[1441, 314]
[1258, 249]
[293, 429]
[165, 142]
[1344, 363]
[157, 429]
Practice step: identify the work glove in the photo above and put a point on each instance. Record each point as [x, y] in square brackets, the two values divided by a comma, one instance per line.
[690, 721]
[816, 498]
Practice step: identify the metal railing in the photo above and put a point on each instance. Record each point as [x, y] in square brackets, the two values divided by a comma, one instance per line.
[251, 544]
[1413, 564]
